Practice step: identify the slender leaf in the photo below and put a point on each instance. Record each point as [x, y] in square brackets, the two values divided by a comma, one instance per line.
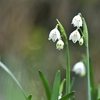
[46, 85]
[29, 97]
[56, 85]
[68, 96]
[62, 86]
[13, 77]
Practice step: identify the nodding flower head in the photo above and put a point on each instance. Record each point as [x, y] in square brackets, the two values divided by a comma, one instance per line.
[60, 45]
[77, 21]
[75, 36]
[60, 96]
[79, 68]
[54, 35]
[81, 41]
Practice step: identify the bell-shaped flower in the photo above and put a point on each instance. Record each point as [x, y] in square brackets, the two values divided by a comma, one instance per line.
[75, 36]
[54, 35]
[79, 68]
[77, 21]
[81, 41]
[59, 44]
[60, 96]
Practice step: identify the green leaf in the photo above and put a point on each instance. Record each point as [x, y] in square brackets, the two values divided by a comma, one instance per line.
[13, 77]
[29, 97]
[62, 31]
[61, 86]
[56, 85]
[98, 98]
[85, 32]
[46, 85]
[68, 96]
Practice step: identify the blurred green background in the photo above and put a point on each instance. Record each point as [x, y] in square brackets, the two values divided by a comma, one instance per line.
[25, 49]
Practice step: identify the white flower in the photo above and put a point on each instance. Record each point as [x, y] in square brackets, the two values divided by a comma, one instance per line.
[79, 68]
[77, 21]
[60, 96]
[60, 45]
[81, 41]
[75, 36]
[54, 35]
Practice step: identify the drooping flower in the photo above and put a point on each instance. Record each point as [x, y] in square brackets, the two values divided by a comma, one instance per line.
[75, 36]
[77, 21]
[59, 44]
[81, 41]
[79, 68]
[60, 96]
[54, 35]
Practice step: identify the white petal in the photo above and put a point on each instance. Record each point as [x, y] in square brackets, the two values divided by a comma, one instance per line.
[60, 96]
[75, 36]
[79, 68]
[77, 21]
[54, 35]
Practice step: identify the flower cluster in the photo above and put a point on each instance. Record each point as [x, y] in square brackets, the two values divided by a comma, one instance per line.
[54, 36]
[75, 35]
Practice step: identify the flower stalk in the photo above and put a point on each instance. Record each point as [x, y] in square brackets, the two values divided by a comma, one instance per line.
[88, 73]
[85, 32]
[67, 57]
[67, 70]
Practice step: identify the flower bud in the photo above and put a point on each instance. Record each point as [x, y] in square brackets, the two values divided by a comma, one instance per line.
[81, 41]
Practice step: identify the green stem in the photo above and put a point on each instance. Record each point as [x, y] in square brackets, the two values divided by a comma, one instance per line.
[88, 73]
[67, 70]
[64, 36]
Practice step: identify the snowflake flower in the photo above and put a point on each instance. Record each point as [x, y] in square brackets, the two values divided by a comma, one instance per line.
[79, 68]
[60, 96]
[54, 35]
[81, 41]
[60, 44]
[77, 21]
[75, 36]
